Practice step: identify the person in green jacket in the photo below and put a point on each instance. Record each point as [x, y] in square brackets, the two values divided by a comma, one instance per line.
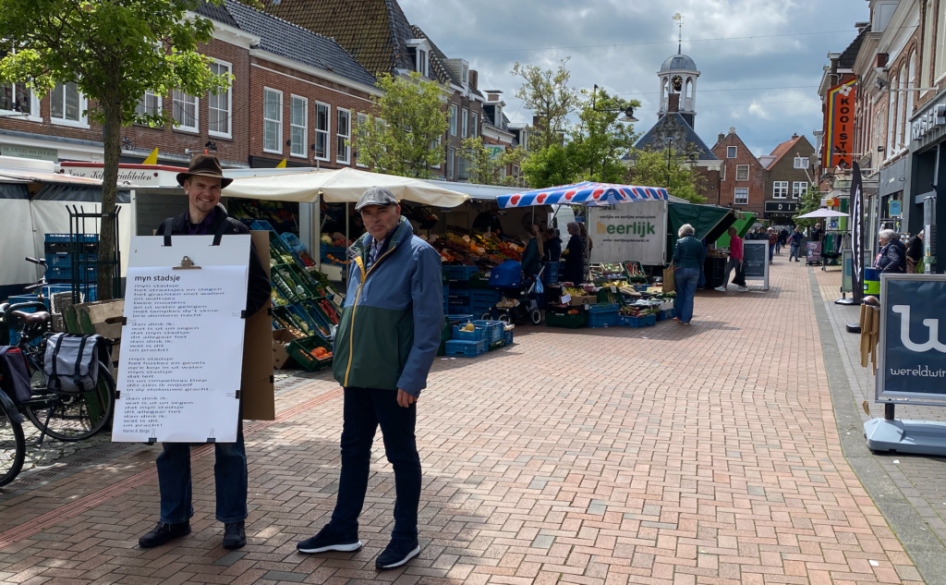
[386, 342]
[533, 254]
[688, 258]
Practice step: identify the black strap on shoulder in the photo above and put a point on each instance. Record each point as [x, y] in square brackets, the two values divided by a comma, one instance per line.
[221, 229]
[77, 375]
[167, 231]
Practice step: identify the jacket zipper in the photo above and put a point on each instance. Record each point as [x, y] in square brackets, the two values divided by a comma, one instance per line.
[354, 309]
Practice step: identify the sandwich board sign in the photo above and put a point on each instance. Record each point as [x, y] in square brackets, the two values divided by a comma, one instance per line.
[756, 261]
[182, 340]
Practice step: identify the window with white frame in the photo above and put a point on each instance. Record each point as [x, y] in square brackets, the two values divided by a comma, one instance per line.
[67, 105]
[272, 120]
[452, 155]
[16, 97]
[779, 189]
[184, 111]
[465, 124]
[891, 124]
[730, 152]
[437, 145]
[343, 134]
[149, 105]
[363, 131]
[465, 75]
[741, 196]
[422, 62]
[298, 126]
[742, 172]
[801, 162]
[323, 119]
[799, 188]
[474, 125]
[454, 114]
[220, 104]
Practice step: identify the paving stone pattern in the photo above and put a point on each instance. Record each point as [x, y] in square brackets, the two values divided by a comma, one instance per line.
[702, 454]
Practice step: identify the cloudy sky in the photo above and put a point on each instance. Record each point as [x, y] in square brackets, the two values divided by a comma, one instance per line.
[764, 86]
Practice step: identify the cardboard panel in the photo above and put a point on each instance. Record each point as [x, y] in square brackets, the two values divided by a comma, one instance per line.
[259, 395]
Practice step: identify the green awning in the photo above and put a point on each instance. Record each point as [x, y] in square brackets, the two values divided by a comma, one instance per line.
[708, 221]
[744, 221]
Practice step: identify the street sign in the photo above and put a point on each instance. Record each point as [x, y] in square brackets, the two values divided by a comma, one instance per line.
[910, 356]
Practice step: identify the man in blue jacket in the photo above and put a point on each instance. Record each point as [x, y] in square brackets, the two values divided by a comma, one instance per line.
[387, 340]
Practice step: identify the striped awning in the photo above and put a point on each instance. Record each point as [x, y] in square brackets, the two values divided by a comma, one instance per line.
[586, 193]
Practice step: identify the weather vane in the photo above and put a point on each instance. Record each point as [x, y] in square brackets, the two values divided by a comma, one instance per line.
[679, 18]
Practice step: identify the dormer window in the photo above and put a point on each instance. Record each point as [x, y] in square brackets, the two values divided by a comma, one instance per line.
[422, 62]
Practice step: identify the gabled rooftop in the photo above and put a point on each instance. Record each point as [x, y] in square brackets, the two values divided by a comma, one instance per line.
[673, 124]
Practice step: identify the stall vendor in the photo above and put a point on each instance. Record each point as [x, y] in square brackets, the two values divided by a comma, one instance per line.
[574, 256]
[488, 221]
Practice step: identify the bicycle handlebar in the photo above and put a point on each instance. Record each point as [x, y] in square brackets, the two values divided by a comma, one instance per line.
[35, 261]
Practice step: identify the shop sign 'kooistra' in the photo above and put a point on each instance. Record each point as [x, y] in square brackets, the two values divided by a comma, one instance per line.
[839, 125]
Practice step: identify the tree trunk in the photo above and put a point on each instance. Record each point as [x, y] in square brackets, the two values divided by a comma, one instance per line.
[109, 267]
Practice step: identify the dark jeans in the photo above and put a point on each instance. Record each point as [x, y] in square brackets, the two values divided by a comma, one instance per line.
[174, 477]
[686, 280]
[793, 253]
[365, 409]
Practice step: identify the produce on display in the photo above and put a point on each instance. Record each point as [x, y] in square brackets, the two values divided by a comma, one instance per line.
[475, 250]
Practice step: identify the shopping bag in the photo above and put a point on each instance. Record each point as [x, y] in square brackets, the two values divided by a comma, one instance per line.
[669, 282]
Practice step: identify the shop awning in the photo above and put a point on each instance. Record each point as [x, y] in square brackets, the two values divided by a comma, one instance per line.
[341, 186]
[708, 221]
[586, 193]
[29, 176]
[744, 221]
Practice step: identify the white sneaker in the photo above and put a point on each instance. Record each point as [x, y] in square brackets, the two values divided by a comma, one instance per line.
[742, 289]
[721, 288]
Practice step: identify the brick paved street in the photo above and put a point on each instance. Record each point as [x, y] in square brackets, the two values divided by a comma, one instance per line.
[707, 454]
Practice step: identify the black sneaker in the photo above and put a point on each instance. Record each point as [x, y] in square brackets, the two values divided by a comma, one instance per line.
[397, 554]
[327, 540]
[234, 535]
[164, 533]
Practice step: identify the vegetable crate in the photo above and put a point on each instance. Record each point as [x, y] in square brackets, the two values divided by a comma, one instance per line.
[497, 345]
[293, 242]
[668, 314]
[494, 329]
[262, 226]
[302, 350]
[460, 310]
[550, 274]
[458, 319]
[461, 348]
[478, 333]
[507, 335]
[635, 271]
[460, 272]
[602, 316]
[645, 321]
[64, 259]
[577, 321]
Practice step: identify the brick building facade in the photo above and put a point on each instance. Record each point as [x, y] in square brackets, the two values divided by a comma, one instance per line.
[742, 176]
[787, 178]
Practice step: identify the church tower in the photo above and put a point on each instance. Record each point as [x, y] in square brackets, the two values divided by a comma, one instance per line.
[678, 77]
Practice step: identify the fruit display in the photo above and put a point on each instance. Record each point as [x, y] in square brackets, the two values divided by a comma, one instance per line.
[283, 216]
[607, 272]
[475, 250]
[320, 353]
[635, 272]
[640, 309]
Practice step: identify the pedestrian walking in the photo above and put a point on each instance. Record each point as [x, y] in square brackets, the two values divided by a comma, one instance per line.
[382, 359]
[893, 254]
[574, 256]
[204, 215]
[773, 240]
[782, 240]
[795, 244]
[915, 253]
[688, 258]
[734, 263]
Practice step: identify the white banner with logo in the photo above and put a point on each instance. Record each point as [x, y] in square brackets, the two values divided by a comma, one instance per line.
[629, 231]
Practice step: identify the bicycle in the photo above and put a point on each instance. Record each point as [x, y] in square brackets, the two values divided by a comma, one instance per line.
[12, 440]
[65, 416]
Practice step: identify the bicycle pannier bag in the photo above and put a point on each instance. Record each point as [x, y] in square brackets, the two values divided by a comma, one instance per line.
[72, 361]
[14, 376]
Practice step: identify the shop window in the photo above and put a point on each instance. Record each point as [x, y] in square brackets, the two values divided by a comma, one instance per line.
[298, 126]
[741, 196]
[450, 165]
[730, 152]
[742, 172]
[780, 189]
[801, 162]
[343, 134]
[184, 110]
[799, 188]
[220, 104]
[322, 122]
[67, 105]
[272, 120]
[149, 105]
[453, 120]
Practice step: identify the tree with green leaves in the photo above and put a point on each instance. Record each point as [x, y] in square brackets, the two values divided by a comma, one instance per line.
[483, 164]
[402, 136]
[599, 141]
[671, 169]
[547, 94]
[810, 201]
[113, 51]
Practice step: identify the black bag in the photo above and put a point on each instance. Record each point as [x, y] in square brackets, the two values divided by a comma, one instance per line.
[14, 375]
[72, 361]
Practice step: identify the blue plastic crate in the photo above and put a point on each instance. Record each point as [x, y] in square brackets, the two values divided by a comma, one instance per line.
[458, 319]
[66, 238]
[65, 274]
[478, 333]
[459, 292]
[64, 259]
[602, 308]
[646, 321]
[485, 295]
[599, 320]
[14, 299]
[261, 225]
[460, 348]
[460, 310]
[460, 272]
[494, 329]
[293, 242]
[550, 273]
[336, 251]
[507, 334]
[668, 314]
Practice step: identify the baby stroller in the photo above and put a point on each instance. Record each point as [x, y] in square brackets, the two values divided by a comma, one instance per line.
[519, 302]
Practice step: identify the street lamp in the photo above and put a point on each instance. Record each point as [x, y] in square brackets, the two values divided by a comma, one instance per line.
[628, 116]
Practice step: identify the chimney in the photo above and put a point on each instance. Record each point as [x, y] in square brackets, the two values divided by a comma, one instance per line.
[794, 134]
[474, 79]
[721, 137]
[493, 95]
[673, 104]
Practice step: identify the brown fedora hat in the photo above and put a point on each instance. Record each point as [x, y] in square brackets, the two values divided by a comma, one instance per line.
[204, 165]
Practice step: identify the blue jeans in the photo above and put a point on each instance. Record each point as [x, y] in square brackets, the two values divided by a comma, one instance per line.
[771, 253]
[174, 478]
[364, 410]
[686, 280]
[794, 253]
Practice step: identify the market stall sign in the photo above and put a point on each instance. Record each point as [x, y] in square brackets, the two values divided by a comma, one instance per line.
[33, 152]
[911, 354]
[779, 207]
[756, 260]
[631, 230]
[135, 175]
[830, 202]
[839, 118]
[929, 120]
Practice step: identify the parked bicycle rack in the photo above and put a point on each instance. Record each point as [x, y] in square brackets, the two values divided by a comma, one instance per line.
[88, 258]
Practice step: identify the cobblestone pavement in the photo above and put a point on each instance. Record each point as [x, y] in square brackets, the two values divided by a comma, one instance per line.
[702, 454]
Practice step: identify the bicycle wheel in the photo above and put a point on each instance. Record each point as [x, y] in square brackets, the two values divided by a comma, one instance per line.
[12, 447]
[72, 417]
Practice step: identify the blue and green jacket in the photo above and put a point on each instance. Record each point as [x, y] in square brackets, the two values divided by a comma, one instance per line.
[390, 328]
